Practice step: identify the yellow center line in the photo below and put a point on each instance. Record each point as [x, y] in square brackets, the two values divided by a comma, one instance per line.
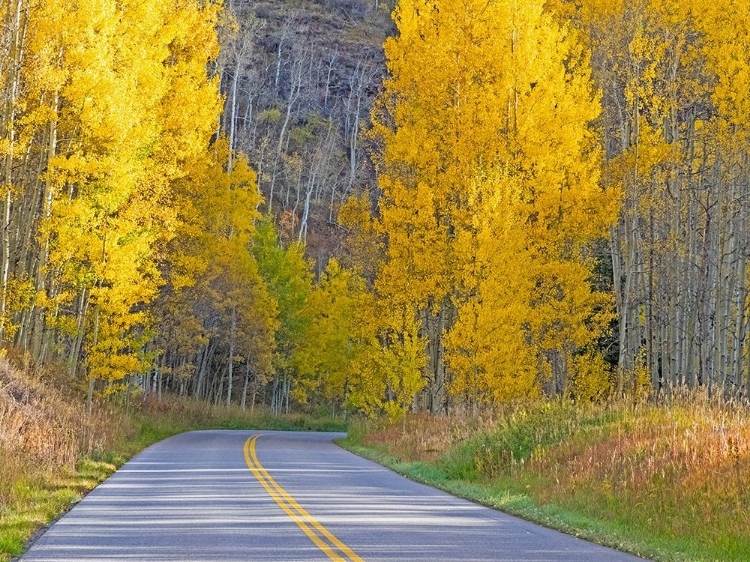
[294, 510]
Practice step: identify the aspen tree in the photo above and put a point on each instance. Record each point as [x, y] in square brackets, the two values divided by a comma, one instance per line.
[213, 277]
[340, 331]
[489, 174]
[110, 100]
[287, 275]
[676, 137]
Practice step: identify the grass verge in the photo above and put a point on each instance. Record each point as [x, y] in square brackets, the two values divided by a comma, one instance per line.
[665, 482]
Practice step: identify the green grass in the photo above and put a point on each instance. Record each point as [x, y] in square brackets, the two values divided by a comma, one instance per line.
[39, 501]
[659, 482]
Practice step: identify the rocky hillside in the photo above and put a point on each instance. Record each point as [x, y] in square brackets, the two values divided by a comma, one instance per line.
[299, 79]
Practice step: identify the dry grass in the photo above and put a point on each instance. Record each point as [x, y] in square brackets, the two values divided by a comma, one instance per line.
[45, 436]
[675, 476]
[679, 471]
[426, 437]
[44, 429]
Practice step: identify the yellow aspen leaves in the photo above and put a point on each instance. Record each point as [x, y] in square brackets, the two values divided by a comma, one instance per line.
[489, 171]
[112, 104]
[510, 140]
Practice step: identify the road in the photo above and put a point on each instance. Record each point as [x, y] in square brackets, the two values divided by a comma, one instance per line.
[240, 495]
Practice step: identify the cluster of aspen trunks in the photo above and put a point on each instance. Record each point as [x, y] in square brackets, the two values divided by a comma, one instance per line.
[674, 128]
[676, 141]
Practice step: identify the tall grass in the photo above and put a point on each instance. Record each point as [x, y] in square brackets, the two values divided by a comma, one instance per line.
[42, 431]
[46, 435]
[672, 480]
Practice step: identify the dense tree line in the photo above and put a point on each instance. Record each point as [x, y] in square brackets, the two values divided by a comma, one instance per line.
[490, 199]
[510, 137]
[105, 107]
[169, 170]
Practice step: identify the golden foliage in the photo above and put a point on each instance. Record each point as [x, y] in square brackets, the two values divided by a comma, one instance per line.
[489, 171]
[114, 103]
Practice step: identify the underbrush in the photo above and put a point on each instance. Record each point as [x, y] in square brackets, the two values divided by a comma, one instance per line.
[52, 451]
[668, 481]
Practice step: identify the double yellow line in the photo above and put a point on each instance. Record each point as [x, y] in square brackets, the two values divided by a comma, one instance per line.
[318, 534]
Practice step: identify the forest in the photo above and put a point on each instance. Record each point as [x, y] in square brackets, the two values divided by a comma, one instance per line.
[313, 206]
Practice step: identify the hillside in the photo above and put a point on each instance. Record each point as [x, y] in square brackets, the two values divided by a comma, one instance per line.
[299, 78]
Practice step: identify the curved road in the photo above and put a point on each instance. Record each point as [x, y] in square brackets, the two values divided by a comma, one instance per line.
[241, 495]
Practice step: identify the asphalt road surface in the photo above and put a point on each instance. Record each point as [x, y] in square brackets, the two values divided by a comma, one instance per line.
[241, 495]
